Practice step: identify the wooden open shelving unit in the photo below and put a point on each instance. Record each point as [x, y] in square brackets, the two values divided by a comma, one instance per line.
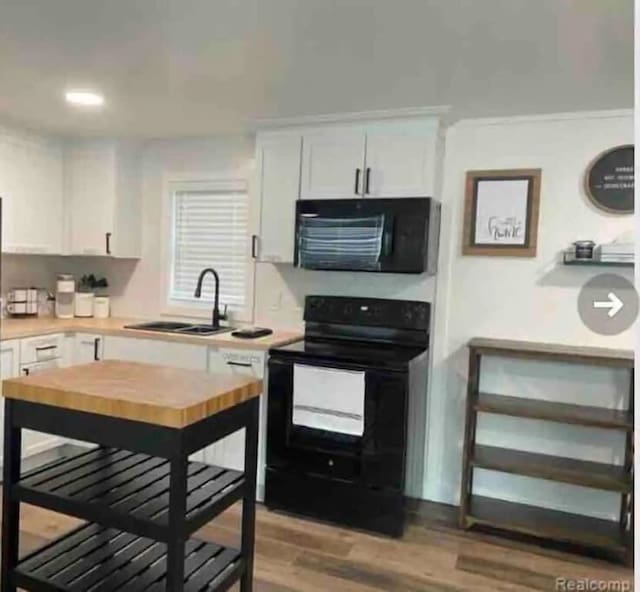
[612, 536]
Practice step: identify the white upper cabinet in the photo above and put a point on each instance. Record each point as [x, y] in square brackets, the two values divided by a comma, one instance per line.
[400, 159]
[333, 163]
[31, 188]
[103, 198]
[277, 188]
[392, 158]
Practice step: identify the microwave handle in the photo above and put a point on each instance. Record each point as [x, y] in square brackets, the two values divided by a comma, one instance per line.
[387, 238]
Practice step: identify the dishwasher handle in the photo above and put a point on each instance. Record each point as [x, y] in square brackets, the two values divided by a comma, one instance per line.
[241, 364]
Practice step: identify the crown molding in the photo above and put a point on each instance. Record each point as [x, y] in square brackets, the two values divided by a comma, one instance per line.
[542, 117]
[356, 116]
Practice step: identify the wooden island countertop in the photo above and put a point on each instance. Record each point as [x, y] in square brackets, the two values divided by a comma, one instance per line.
[159, 395]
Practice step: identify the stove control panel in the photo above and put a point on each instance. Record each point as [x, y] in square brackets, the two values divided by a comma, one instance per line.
[373, 312]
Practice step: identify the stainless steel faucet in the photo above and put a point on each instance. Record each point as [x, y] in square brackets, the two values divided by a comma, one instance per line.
[215, 321]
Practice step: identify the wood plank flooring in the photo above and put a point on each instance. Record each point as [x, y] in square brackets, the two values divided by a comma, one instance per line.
[296, 555]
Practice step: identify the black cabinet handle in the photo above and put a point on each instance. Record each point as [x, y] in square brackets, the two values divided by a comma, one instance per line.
[46, 347]
[367, 180]
[108, 241]
[242, 364]
[357, 187]
[254, 246]
[26, 371]
[96, 346]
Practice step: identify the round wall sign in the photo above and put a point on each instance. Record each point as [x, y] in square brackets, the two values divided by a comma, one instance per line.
[609, 180]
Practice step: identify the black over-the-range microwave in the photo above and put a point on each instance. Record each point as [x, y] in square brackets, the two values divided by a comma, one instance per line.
[398, 235]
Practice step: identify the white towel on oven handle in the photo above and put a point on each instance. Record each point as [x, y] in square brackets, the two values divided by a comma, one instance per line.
[328, 399]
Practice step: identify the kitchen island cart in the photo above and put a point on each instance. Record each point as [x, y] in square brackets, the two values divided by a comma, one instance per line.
[140, 495]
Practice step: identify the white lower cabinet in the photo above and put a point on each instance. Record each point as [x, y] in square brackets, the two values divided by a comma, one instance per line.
[9, 368]
[88, 348]
[155, 351]
[229, 452]
[32, 355]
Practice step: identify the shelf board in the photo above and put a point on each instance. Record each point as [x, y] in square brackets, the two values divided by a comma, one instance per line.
[555, 352]
[93, 557]
[596, 263]
[553, 468]
[128, 491]
[597, 417]
[545, 523]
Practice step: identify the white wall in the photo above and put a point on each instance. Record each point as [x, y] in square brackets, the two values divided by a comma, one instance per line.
[533, 299]
[281, 289]
[164, 160]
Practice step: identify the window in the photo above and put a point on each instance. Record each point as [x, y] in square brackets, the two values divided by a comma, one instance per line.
[210, 224]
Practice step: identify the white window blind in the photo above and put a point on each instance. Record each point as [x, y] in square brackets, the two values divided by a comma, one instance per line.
[210, 229]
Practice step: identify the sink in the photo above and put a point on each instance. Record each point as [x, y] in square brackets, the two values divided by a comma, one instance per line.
[203, 330]
[164, 326]
[181, 328]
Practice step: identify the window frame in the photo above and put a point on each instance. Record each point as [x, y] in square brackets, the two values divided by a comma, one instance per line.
[236, 181]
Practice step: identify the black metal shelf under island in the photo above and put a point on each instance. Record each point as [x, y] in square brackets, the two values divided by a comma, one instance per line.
[139, 494]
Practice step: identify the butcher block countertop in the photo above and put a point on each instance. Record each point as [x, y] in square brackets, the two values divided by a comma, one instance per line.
[159, 395]
[19, 328]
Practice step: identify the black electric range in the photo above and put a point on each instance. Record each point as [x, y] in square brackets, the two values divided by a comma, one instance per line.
[364, 447]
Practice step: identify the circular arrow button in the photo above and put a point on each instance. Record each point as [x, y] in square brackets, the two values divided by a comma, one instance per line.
[608, 304]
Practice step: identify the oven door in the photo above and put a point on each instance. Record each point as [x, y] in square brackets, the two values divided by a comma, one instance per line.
[374, 458]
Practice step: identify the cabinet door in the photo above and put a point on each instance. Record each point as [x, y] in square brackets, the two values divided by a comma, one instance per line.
[9, 368]
[88, 347]
[277, 186]
[229, 452]
[91, 178]
[155, 351]
[400, 159]
[332, 163]
[37, 442]
[31, 186]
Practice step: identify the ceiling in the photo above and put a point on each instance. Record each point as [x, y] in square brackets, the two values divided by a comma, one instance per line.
[195, 67]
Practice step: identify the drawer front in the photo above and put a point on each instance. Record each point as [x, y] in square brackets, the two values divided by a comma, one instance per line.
[41, 349]
[236, 361]
[37, 367]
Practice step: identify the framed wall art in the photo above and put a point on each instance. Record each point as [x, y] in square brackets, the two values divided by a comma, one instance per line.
[501, 213]
[609, 180]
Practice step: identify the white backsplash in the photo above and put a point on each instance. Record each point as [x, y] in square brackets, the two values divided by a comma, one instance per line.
[281, 289]
[40, 271]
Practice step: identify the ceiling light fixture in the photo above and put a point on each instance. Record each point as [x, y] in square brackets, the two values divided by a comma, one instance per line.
[84, 98]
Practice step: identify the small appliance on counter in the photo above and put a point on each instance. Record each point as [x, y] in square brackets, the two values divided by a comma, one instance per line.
[22, 302]
[65, 296]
